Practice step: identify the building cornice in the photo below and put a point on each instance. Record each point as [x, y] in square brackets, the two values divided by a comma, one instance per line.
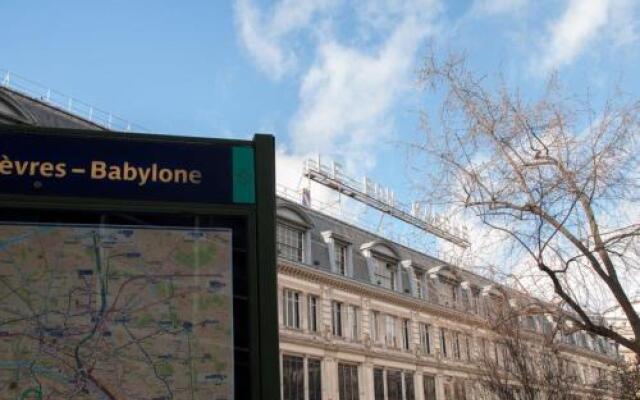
[319, 276]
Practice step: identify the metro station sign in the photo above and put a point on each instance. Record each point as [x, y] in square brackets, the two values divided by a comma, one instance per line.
[129, 266]
[140, 168]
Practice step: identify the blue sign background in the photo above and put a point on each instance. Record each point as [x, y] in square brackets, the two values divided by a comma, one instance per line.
[214, 161]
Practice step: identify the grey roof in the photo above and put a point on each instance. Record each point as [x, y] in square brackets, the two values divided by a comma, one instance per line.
[359, 237]
[19, 109]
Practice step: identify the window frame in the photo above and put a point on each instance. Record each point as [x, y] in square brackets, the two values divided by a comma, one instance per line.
[425, 337]
[342, 255]
[287, 303]
[348, 394]
[284, 227]
[313, 320]
[337, 318]
[383, 265]
[306, 372]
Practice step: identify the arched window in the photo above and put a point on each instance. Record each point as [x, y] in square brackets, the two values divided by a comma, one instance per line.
[383, 262]
[292, 233]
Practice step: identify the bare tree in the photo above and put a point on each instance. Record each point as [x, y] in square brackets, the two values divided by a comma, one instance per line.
[552, 175]
[624, 381]
[523, 365]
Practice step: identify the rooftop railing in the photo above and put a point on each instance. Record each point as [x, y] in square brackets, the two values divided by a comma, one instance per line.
[66, 103]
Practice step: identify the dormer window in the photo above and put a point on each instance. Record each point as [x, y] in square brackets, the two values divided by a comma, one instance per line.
[342, 258]
[383, 265]
[340, 253]
[420, 285]
[292, 233]
[291, 242]
[385, 273]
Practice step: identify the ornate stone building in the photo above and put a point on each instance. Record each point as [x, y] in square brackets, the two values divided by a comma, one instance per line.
[364, 318]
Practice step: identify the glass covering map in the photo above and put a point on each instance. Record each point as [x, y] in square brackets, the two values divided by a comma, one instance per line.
[115, 312]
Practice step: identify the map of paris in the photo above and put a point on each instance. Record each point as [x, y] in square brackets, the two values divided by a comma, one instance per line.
[115, 312]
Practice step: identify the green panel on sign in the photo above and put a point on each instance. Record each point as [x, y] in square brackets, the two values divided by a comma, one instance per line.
[244, 190]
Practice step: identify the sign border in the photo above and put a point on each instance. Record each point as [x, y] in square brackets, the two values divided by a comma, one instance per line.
[260, 221]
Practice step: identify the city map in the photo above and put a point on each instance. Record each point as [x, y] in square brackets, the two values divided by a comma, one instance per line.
[115, 312]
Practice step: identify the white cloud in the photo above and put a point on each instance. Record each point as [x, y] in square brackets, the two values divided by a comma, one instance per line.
[350, 87]
[570, 34]
[582, 24]
[347, 95]
[264, 35]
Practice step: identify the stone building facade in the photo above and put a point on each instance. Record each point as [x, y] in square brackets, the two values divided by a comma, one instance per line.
[364, 318]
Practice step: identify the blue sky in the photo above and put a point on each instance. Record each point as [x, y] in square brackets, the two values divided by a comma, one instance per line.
[330, 76]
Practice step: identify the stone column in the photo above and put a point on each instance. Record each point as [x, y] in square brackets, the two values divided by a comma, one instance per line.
[330, 379]
[440, 386]
[366, 380]
[418, 383]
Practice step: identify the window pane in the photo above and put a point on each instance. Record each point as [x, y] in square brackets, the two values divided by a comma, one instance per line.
[429, 387]
[315, 379]
[378, 384]
[292, 378]
[375, 329]
[353, 331]
[443, 342]
[337, 318]
[425, 340]
[385, 273]
[408, 385]
[406, 334]
[291, 302]
[313, 313]
[341, 258]
[290, 242]
[348, 382]
[390, 334]
[394, 385]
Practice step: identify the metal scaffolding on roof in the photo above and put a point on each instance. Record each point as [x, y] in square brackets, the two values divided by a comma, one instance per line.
[383, 199]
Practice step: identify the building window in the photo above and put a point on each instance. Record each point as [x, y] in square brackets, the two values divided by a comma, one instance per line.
[399, 384]
[425, 338]
[406, 334]
[390, 338]
[443, 342]
[292, 378]
[342, 258]
[314, 376]
[290, 242]
[429, 385]
[385, 273]
[409, 391]
[353, 319]
[375, 326]
[448, 392]
[313, 302]
[467, 340]
[291, 305]
[348, 382]
[456, 345]
[420, 287]
[460, 392]
[336, 318]
[378, 384]
[394, 385]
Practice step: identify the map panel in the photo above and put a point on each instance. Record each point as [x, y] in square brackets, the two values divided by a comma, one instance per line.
[115, 312]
